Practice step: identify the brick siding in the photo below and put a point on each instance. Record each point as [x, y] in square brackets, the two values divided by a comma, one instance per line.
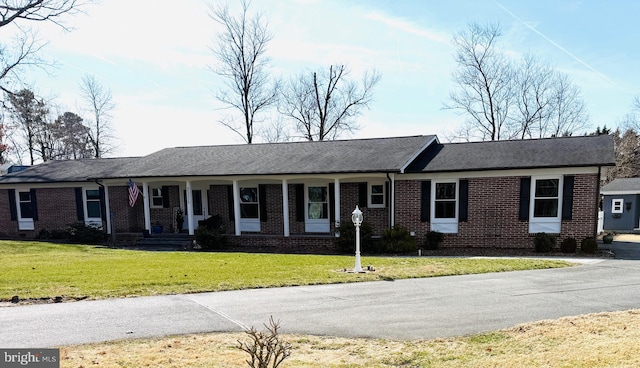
[492, 214]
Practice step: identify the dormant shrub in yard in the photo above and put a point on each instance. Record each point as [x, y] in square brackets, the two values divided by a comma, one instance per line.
[266, 349]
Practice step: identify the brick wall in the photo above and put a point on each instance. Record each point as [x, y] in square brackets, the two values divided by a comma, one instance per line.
[492, 221]
[493, 213]
[126, 218]
[56, 210]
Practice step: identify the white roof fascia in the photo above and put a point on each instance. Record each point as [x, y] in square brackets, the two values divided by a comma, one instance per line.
[415, 155]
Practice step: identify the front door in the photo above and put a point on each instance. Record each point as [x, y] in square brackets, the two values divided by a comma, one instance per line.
[199, 208]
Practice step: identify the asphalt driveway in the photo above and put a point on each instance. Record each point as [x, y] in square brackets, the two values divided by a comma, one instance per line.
[402, 309]
[625, 246]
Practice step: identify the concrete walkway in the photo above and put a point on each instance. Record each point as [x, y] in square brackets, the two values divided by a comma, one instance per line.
[404, 309]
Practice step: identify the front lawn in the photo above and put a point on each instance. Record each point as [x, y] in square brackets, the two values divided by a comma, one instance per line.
[39, 270]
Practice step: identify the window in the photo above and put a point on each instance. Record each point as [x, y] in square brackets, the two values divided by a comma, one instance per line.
[318, 204]
[376, 196]
[546, 202]
[26, 209]
[616, 205]
[445, 201]
[93, 203]
[546, 197]
[156, 197]
[443, 205]
[249, 207]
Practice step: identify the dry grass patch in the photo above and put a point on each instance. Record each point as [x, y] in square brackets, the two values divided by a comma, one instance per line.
[595, 340]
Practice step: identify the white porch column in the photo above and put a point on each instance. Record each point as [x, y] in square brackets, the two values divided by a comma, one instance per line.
[107, 208]
[190, 208]
[392, 200]
[145, 201]
[285, 206]
[236, 207]
[337, 201]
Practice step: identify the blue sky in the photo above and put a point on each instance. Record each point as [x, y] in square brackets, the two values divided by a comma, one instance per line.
[155, 58]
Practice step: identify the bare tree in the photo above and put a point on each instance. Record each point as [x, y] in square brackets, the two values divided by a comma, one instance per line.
[568, 112]
[627, 149]
[484, 79]
[241, 51]
[548, 103]
[505, 99]
[99, 103]
[326, 103]
[28, 115]
[3, 145]
[632, 119]
[278, 130]
[23, 50]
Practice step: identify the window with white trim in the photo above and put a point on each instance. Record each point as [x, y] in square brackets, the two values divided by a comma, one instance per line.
[445, 200]
[317, 210]
[377, 195]
[617, 205]
[92, 199]
[24, 203]
[444, 206]
[156, 198]
[25, 210]
[545, 210]
[249, 205]
[546, 197]
[318, 203]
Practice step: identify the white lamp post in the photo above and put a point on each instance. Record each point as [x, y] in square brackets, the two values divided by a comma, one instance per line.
[356, 217]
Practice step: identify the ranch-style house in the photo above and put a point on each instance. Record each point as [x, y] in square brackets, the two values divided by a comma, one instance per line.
[292, 195]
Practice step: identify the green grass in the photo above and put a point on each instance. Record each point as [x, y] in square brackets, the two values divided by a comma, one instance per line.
[35, 270]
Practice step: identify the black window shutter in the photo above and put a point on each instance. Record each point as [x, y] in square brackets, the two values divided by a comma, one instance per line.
[262, 202]
[12, 204]
[332, 202]
[387, 194]
[567, 197]
[525, 198]
[232, 216]
[362, 195]
[300, 202]
[165, 197]
[425, 204]
[79, 205]
[463, 204]
[103, 204]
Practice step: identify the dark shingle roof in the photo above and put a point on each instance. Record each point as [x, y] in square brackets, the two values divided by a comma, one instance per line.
[519, 154]
[622, 185]
[345, 156]
[67, 171]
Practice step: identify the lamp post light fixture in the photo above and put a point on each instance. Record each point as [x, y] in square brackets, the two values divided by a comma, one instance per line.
[356, 217]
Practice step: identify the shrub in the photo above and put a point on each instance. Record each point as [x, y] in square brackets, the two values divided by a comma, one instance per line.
[346, 242]
[397, 240]
[81, 233]
[544, 242]
[266, 349]
[589, 245]
[433, 239]
[210, 234]
[569, 245]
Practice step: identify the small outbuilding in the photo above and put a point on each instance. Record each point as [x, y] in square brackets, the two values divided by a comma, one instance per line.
[621, 205]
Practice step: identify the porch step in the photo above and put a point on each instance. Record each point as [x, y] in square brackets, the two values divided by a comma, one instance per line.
[164, 242]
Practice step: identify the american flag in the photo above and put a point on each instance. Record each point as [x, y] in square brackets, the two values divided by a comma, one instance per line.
[133, 193]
